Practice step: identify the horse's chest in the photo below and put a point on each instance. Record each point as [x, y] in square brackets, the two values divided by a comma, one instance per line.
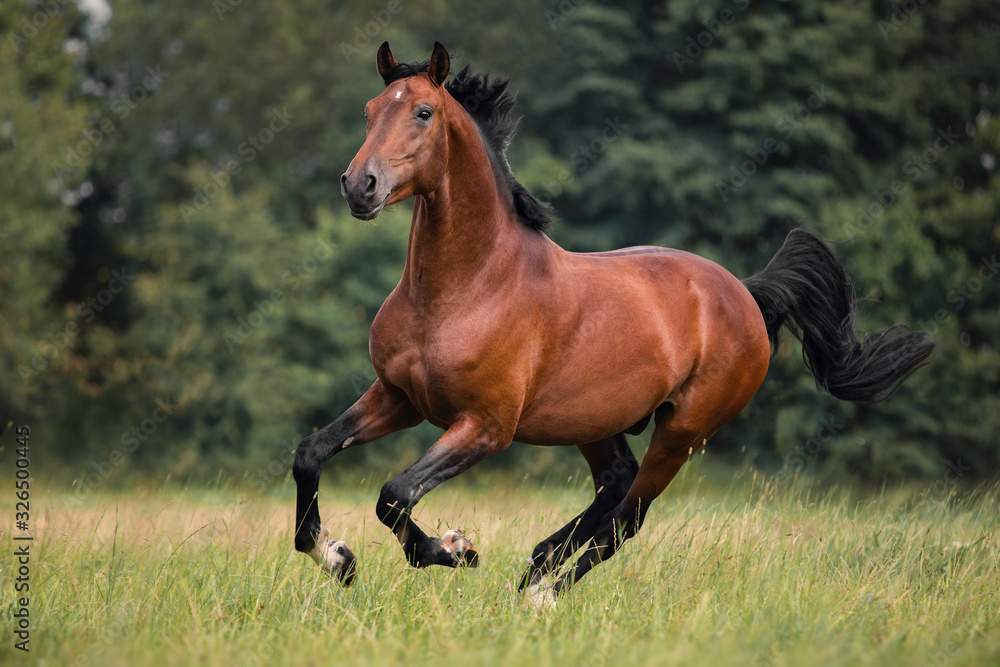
[435, 364]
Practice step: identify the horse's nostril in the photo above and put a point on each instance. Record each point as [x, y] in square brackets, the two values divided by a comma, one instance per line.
[371, 185]
[343, 179]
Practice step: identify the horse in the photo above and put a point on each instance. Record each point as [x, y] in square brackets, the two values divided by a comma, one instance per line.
[495, 333]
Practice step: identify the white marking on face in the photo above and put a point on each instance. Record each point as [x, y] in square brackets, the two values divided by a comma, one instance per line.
[347, 443]
[399, 93]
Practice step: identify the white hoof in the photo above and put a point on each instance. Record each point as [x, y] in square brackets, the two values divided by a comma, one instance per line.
[459, 545]
[334, 557]
[540, 596]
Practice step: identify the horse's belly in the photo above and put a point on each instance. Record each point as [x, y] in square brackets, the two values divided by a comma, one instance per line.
[600, 398]
[624, 355]
[562, 428]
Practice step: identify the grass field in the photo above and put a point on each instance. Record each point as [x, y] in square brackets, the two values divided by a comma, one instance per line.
[747, 573]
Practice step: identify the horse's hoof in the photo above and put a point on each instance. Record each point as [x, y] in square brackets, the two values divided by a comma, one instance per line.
[532, 576]
[335, 558]
[349, 570]
[461, 548]
[540, 596]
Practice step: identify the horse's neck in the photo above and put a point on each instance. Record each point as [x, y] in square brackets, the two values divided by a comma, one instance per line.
[463, 236]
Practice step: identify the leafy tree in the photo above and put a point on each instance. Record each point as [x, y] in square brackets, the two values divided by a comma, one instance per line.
[746, 119]
[213, 195]
[43, 123]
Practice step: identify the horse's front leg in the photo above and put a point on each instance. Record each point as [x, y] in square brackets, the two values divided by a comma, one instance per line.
[466, 443]
[382, 410]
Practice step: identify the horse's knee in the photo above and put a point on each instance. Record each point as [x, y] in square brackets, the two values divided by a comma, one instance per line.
[306, 463]
[620, 524]
[628, 521]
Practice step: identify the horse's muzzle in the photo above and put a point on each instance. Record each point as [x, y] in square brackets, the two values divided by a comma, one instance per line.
[364, 191]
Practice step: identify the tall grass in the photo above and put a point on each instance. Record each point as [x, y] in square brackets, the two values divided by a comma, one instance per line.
[752, 573]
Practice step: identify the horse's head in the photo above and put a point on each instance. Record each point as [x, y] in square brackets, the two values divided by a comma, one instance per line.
[404, 153]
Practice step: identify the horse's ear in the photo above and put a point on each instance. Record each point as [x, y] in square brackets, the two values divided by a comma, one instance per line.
[440, 64]
[384, 61]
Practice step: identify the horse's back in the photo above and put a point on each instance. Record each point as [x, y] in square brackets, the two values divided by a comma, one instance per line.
[668, 272]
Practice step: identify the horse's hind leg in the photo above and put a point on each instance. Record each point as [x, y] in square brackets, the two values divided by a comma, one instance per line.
[379, 412]
[613, 467]
[670, 446]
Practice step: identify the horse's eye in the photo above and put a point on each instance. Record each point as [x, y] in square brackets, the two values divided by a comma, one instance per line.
[424, 114]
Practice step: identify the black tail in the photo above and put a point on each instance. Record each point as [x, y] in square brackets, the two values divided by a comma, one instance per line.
[805, 288]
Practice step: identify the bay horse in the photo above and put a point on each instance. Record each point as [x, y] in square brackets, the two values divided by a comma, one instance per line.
[495, 333]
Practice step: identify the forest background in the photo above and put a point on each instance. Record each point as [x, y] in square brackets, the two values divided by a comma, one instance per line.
[184, 294]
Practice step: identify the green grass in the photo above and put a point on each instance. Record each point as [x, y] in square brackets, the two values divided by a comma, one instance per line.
[752, 573]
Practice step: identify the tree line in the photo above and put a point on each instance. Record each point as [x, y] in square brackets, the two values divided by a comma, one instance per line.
[171, 230]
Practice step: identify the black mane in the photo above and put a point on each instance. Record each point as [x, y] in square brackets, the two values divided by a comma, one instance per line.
[490, 104]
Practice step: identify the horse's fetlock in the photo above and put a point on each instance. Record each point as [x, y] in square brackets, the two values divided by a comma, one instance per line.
[305, 540]
[390, 506]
